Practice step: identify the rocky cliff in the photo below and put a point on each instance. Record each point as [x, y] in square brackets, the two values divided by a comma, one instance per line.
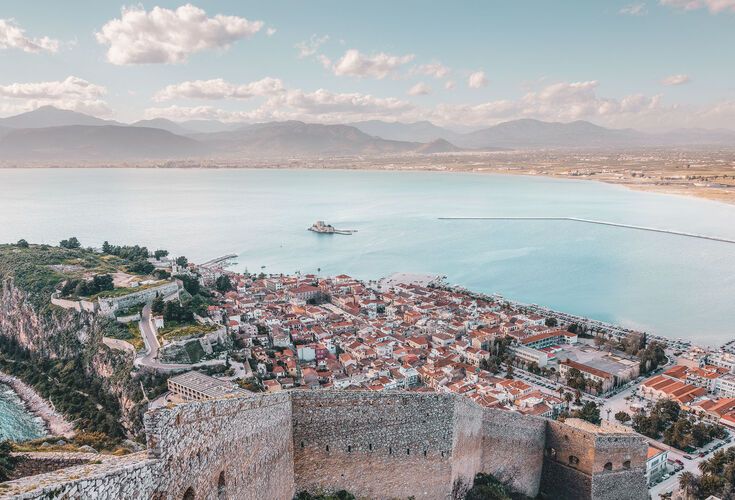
[47, 332]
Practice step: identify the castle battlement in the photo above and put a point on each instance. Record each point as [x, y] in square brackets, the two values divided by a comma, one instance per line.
[374, 444]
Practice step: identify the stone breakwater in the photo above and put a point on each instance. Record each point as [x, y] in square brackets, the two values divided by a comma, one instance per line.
[374, 444]
[54, 421]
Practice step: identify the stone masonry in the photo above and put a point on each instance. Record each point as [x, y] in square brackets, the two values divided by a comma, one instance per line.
[374, 444]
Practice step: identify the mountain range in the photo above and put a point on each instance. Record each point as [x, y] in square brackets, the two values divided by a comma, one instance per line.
[49, 133]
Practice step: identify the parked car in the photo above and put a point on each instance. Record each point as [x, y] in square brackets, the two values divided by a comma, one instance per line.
[687, 457]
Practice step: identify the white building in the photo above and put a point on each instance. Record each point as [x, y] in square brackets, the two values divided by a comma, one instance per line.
[725, 386]
[529, 354]
[656, 463]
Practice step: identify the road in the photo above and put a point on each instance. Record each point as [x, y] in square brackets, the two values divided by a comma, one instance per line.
[150, 360]
[672, 483]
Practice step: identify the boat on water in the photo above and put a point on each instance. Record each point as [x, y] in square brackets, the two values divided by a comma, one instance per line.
[321, 227]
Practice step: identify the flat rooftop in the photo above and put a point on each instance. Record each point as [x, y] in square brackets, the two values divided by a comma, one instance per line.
[210, 386]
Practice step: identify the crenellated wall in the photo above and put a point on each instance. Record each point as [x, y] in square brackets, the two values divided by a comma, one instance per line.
[374, 444]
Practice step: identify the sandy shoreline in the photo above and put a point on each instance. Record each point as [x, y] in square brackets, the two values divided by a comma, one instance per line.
[54, 422]
[720, 194]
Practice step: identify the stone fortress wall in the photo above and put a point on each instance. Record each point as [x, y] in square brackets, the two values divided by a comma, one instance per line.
[374, 444]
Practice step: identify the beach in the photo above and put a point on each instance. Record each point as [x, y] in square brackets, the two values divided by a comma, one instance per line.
[54, 422]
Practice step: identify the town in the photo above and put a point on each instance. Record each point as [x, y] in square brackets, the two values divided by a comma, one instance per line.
[207, 332]
[272, 333]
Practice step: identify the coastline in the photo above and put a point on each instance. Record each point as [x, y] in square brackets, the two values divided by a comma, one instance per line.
[54, 423]
[717, 195]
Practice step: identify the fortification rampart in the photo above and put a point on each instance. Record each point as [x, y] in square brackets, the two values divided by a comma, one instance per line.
[348, 439]
[374, 444]
[582, 461]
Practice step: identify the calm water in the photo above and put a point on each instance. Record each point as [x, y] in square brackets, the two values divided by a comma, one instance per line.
[670, 285]
[15, 422]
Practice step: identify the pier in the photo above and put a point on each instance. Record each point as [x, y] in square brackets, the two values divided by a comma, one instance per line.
[602, 223]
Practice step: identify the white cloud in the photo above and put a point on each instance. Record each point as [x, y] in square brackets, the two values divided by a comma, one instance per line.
[170, 36]
[435, 69]
[219, 89]
[477, 80]
[450, 85]
[71, 87]
[561, 101]
[714, 6]
[309, 47]
[378, 66]
[634, 9]
[71, 93]
[13, 36]
[419, 89]
[318, 106]
[270, 31]
[675, 80]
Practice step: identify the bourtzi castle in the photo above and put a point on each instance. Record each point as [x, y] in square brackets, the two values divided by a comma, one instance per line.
[373, 444]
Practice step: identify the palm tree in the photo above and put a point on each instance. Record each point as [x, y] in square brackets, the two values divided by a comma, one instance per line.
[688, 483]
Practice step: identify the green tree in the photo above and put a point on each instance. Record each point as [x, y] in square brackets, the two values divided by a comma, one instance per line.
[7, 461]
[71, 243]
[487, 487]
[622, 417]
[159, 254]
[589, 412]
[22, 243]
[158, 305]
[551, 322]
[182, 261]
[223, 283]
[688, 483]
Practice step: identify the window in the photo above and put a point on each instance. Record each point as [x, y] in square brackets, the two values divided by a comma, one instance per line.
[188, 494]
[608, 466]
[573, 460]
[626, 464]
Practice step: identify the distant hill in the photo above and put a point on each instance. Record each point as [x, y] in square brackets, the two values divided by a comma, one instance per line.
[50, 116]
[209, 126]
[295, 138]
[107, 142]
[163, 124]
[52, 133]
[437, 146]
[423, 131]
[527, 133]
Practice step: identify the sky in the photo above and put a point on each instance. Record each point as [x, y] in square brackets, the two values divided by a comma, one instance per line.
[650, 65]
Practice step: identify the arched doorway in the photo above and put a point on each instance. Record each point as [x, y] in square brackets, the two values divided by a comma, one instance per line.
[188, 494]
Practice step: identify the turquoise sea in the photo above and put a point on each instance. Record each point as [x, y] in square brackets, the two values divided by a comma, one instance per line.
[670, 285]
[15, 422]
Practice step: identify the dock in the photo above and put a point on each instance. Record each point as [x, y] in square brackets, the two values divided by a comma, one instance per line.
[603, 223]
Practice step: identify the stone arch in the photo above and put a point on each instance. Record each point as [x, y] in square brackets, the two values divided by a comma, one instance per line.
[608, 466]
[221, 487]
[626, 464]
[188, 494]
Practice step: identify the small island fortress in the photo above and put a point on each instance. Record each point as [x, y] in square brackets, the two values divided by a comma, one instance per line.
[320, 227]
[374, 444]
